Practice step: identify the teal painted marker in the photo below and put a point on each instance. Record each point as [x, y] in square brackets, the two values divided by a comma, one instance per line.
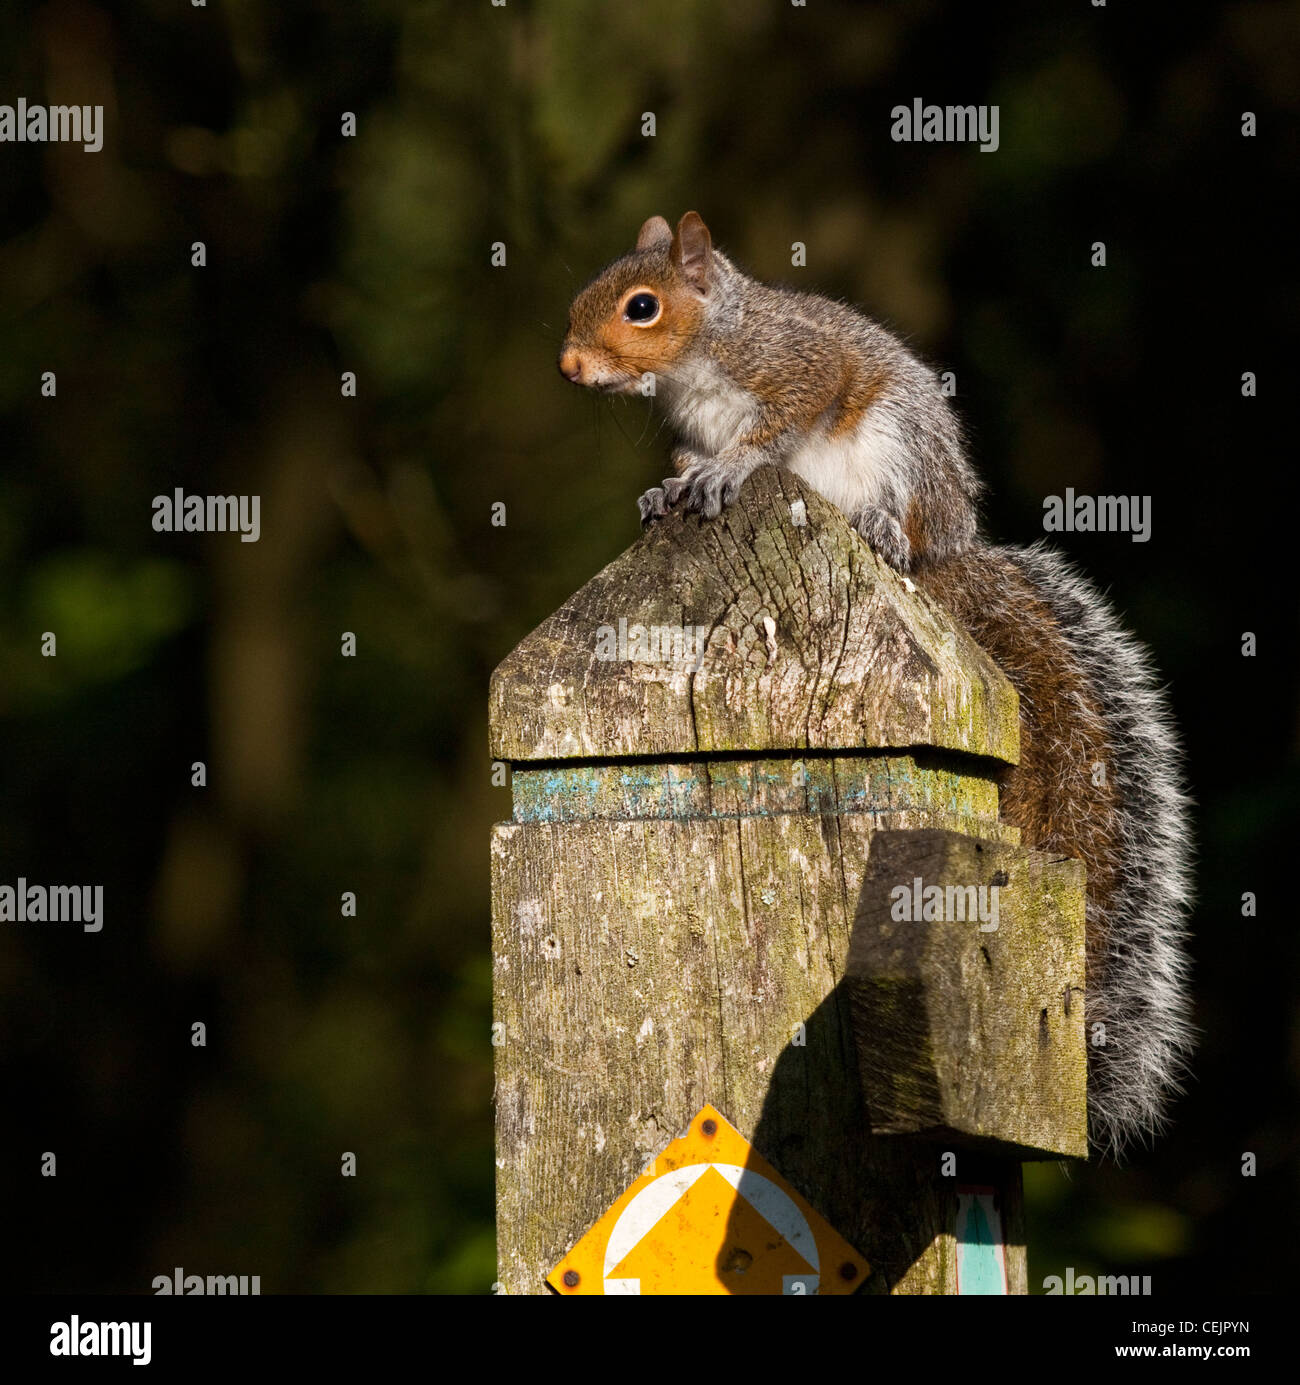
[981, 1258]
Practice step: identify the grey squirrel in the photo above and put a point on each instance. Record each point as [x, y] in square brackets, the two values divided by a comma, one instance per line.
[752, 375]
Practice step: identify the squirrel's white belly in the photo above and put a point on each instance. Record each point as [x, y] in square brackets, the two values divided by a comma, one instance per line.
[860, 469]
[864, 467]
[709, 410]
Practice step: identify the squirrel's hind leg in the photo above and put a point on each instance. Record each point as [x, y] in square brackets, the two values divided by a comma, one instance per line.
[885, 535]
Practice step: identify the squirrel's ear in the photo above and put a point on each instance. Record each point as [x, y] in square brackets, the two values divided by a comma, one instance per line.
[653, 233]
[693, 250]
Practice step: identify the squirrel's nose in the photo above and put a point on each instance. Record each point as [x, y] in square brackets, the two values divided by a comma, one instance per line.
[570, 364]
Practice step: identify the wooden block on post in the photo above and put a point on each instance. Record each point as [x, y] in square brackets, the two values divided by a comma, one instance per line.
[966, 971]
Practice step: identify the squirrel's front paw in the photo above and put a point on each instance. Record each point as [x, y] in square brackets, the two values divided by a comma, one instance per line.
[707, 490]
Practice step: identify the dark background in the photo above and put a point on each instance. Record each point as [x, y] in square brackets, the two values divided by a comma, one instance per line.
[521, 124]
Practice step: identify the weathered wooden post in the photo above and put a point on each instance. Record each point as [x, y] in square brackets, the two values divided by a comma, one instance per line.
[705, 897]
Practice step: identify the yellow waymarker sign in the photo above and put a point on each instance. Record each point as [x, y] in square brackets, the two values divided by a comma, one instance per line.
[710, 1216]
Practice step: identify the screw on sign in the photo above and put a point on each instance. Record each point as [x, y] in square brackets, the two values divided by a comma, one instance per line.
[710, 1216]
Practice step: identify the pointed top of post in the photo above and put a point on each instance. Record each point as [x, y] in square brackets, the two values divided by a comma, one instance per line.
[771, 628]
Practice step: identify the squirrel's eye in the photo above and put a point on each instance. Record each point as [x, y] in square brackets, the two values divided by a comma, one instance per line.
[641, 307]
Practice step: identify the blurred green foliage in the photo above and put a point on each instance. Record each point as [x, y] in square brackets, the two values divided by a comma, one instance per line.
[521, 124]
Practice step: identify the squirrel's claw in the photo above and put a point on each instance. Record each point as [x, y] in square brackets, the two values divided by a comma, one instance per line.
[705, 490]
[701, 489]
[675, 487]
[651, 505]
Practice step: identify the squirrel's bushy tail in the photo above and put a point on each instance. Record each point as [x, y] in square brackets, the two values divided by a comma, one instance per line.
[1143, 997]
